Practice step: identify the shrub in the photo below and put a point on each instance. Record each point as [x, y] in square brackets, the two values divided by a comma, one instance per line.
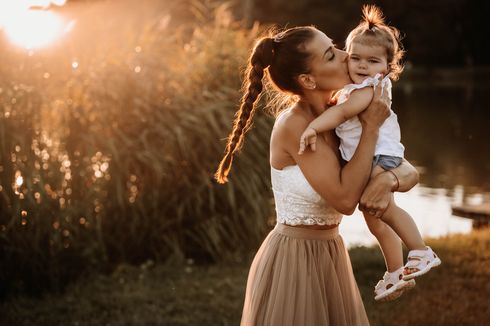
[109, 141]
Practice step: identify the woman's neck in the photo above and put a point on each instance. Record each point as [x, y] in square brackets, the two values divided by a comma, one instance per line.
[315, 103]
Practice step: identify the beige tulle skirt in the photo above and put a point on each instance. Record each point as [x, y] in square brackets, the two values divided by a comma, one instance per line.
[302, 277]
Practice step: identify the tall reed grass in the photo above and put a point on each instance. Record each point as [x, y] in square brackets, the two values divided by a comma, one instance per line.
[109, 140]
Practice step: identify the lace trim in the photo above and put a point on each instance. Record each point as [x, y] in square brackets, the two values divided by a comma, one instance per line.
[297, 203]
[308, 221]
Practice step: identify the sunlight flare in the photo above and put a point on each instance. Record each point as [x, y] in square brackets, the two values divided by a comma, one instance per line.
[29, 25]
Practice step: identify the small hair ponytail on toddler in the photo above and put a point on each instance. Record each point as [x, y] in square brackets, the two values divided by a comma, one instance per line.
[372, 16]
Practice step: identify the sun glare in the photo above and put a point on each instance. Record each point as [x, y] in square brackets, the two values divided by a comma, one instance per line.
[29, 24]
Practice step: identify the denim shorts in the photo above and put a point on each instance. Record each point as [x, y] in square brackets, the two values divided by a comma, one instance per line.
[387, 162]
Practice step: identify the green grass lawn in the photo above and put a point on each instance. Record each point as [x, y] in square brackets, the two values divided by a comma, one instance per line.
[456, 293]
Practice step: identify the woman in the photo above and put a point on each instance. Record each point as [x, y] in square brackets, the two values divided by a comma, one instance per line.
[302, 274]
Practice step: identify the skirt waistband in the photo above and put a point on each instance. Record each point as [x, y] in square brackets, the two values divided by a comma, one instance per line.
[304, 233]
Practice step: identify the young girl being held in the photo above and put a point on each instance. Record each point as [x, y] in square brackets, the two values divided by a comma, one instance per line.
[374, 59]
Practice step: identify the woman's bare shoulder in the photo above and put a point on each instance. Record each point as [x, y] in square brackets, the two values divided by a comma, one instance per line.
[292, 121]
[285, 137]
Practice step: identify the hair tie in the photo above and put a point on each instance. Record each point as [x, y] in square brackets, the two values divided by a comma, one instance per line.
[278, 37]
[371, 25]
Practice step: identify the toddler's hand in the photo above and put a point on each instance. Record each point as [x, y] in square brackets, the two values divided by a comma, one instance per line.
[308, 138]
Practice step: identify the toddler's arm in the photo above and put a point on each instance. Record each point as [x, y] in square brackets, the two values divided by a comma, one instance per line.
[336, 115]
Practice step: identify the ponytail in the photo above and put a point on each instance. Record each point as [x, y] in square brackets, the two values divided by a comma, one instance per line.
[285, 58]
[260, 59]
[372, 16]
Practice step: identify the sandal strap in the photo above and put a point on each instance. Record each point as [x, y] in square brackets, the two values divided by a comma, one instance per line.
[419, 259]
[420, 253]
[415, 263]
[384, 282]
[416, 257]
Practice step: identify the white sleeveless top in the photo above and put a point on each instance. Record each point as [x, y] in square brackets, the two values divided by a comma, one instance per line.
[297, 203]
[350, 131]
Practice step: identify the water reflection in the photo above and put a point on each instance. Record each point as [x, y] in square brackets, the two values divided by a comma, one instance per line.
[445, 130]
[429, 207]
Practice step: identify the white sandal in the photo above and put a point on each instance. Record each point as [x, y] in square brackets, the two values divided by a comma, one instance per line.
[422, 260]
[392, 286]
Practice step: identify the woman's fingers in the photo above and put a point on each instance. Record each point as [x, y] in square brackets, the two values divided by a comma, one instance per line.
[373, 210]
[382, 100]
[378, 110]
[378, 90]
[381, 92]
[376, 196]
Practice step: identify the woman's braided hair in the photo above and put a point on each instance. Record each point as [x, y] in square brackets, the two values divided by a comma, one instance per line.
[284, 57]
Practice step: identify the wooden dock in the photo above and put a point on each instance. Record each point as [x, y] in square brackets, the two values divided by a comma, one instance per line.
[480, 214]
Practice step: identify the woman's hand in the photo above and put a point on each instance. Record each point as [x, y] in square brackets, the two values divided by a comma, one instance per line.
[377, 111]
[377, 195]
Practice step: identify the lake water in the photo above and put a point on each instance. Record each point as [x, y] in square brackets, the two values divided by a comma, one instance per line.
[446, 131]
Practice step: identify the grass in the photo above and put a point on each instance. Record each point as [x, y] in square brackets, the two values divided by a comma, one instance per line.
[456, 293]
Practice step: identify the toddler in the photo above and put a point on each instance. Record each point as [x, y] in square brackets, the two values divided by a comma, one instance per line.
[374, 59]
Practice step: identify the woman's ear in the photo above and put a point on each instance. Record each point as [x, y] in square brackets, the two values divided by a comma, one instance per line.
[307, 81]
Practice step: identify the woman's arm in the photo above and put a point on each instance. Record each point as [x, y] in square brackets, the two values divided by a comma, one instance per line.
[341, 187]
[377, 194]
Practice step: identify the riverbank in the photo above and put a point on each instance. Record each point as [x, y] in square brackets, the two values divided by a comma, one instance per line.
[456, 293]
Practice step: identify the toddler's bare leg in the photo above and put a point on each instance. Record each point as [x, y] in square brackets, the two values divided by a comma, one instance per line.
[389, 242]
[402, 223]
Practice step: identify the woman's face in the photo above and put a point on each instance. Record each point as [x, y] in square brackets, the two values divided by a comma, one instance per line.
[328, 64]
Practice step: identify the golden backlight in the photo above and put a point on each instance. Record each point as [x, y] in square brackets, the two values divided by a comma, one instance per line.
[30, 24]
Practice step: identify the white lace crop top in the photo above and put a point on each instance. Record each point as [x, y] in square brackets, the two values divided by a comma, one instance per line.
[297, 203]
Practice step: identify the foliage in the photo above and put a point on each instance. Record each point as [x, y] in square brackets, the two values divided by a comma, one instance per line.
[109, 140]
